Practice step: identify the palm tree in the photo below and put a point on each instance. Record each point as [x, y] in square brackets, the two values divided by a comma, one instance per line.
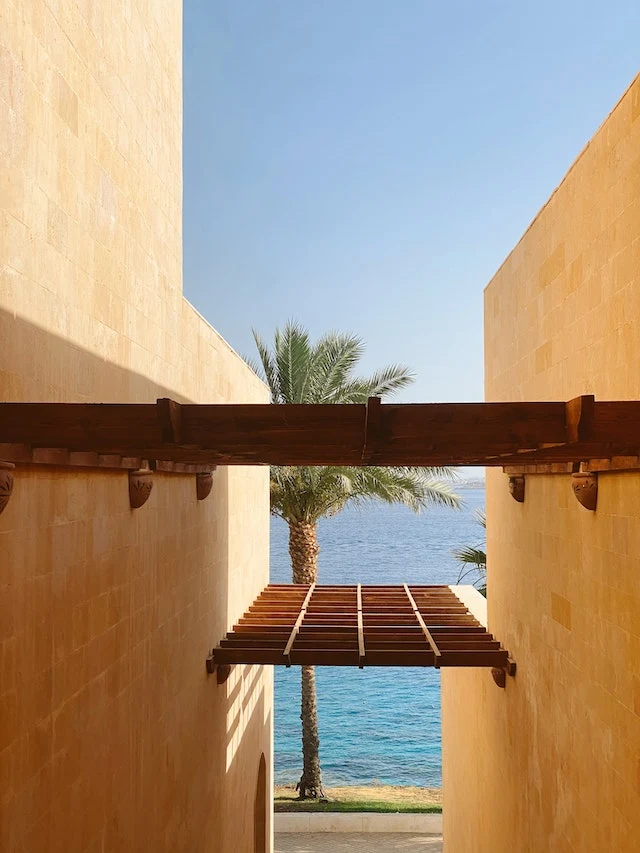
[474, 559]
[299, 371]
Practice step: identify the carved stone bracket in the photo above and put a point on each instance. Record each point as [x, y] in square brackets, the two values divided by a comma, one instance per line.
[222, 671]
[204, 483]
[140, 485]
[516, 488]
[6, 483]
[499, 674]
[585, 488]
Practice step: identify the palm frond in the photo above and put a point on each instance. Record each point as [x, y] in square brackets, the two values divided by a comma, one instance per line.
[471, 554]
[268, 367]
[292, 353]
[310, 493]
[416, 488]
[334, 357]
[473, 559]
[255, 366]
[389, 380]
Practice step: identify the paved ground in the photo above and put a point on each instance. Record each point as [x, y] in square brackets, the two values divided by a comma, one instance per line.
[356, 842]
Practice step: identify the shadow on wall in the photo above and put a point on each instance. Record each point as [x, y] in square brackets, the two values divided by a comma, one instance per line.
[105, 629]
[260, 809]
[37, 365]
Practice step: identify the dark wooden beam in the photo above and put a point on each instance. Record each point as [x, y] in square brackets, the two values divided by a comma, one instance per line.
[579, 418]
[500, 434]
[170, 417]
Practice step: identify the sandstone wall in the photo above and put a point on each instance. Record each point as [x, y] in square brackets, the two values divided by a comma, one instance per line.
[112, 737]
[552, 763]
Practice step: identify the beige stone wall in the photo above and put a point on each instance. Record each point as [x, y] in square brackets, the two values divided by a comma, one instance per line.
[112, 737]
[552, 763]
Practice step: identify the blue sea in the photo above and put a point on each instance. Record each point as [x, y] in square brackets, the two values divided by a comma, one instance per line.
[376, 725]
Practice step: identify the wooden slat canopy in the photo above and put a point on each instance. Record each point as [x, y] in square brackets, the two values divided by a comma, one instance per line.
[360, 626]
[498, 434]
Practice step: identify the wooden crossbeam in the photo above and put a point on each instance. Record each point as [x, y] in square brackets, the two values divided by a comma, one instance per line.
[361, 650]
[298, 623]
[434, 648]
[500, 434]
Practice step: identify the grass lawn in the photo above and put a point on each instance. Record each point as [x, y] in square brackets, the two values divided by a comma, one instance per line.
[380, 798]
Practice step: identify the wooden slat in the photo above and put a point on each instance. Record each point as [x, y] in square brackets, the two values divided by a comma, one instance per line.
[349, 657]
[361, 651]
[298, 622]
[425, 630]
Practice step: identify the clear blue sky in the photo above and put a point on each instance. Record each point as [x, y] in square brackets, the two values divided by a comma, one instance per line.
[366, 165]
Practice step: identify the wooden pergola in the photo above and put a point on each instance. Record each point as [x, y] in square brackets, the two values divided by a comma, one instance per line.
[364, 626]
[360, 626]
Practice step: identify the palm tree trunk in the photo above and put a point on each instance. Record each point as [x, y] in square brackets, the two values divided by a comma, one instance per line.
[310, 784]
[304, 548]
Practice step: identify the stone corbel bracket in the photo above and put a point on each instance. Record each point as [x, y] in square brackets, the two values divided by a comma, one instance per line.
[585, 488]
[140, 486]
[222, 671]
[204, 484]
[516, 487]
[499, 674]
[6, 483]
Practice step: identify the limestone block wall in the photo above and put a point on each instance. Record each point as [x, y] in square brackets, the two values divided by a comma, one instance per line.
[552, 763]
[112, 737]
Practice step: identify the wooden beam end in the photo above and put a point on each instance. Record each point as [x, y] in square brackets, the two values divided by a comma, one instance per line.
[170, 417]
[579, 418]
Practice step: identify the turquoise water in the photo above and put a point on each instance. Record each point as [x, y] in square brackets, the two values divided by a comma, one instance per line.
[376, 725]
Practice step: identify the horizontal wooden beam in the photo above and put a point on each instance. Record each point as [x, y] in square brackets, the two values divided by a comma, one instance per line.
[25, 454]
[615, 463]
[500, 434]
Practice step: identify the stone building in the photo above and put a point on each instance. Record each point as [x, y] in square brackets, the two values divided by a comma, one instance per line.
[112, 736]
[552, 763]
